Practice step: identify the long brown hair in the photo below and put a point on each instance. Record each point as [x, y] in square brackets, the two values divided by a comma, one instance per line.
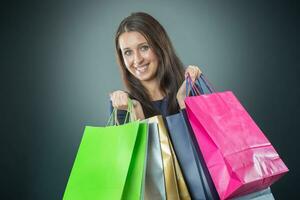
[170, 73]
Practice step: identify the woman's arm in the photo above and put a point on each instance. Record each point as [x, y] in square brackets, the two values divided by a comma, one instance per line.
[138, 110]
[194, 72]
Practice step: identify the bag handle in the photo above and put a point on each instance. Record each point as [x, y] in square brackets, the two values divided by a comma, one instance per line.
[194, 89]
[207, 84]
[196, 86]
[130, 115]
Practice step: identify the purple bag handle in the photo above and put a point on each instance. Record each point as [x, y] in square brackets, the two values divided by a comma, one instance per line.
[193, 88]
[207, 84]
[196, 88]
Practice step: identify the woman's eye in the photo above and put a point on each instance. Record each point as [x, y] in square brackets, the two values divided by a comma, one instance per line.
[127, 53]
[144, 48]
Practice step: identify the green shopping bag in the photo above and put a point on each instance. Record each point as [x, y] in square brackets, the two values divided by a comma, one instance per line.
[110, 163]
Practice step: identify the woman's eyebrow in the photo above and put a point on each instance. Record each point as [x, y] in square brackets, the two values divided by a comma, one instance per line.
[127, 48]
[142, 43]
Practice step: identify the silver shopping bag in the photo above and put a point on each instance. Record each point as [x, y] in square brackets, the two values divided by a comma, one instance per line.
[265, 194]
[154, 180]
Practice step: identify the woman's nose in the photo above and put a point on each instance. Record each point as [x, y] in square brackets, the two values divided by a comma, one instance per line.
[138, 58]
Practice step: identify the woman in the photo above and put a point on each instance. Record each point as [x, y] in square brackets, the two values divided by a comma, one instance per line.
[152, 73]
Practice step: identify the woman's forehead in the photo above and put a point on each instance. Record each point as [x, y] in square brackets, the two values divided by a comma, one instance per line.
[131, 39]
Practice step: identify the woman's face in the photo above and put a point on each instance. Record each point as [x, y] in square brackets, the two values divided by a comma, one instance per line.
[139, 58]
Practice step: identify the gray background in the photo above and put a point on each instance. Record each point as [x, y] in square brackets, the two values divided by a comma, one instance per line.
[58, 67]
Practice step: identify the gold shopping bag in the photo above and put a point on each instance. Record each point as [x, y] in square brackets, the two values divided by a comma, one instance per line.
[176, 188]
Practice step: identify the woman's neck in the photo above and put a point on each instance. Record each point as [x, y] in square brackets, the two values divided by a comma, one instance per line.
[153, 90]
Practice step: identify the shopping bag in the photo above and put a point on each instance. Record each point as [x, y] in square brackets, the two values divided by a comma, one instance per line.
[110, 163]
[194, 170]
[239, 157]
[154, 181]
[174, 182]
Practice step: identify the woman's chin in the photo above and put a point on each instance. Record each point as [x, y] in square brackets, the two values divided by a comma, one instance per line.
[144, 78]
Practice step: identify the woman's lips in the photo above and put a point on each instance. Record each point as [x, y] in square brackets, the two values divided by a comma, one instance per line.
[142, 68]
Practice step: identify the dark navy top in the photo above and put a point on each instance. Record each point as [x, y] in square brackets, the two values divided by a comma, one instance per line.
[161, 105]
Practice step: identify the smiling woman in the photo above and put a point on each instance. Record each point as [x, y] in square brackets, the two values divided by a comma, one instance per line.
[152, 72]
[140, 60]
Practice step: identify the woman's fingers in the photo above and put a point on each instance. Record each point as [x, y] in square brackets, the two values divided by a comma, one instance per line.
[119, 99]
[193, 71]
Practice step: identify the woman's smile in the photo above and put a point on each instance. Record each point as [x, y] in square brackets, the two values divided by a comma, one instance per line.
[142, 68]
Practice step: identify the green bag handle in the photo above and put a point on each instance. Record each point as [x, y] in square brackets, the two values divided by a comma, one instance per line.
[113, 119]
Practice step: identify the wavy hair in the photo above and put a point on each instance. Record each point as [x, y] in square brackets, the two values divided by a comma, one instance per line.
[170, 73]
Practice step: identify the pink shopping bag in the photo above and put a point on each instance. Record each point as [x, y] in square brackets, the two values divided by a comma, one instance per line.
[239, 157]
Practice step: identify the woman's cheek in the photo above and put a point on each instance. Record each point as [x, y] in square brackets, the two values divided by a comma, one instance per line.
[127, 63]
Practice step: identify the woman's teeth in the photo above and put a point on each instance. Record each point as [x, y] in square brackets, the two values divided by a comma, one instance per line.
[142, 68]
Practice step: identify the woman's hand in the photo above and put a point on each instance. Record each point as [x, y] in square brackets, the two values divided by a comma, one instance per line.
[195, 73]
[119, 100]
